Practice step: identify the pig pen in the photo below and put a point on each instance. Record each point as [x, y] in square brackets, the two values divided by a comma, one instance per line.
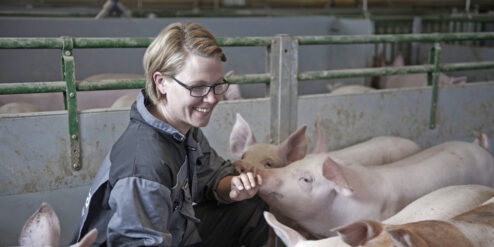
[36, 156]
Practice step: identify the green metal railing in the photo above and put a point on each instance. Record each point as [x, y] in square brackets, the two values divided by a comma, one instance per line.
[69, 86]
[426, 24]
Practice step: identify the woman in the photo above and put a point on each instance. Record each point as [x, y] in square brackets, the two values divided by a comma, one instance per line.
[144, 191]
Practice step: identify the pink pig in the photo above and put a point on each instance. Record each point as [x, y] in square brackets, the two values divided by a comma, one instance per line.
[473, 228]
[440, 204]
[257, 155]
[43, 229]
[321, 191]
[414, 80]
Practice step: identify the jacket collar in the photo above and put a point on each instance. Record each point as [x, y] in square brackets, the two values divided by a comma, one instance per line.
[147, 117]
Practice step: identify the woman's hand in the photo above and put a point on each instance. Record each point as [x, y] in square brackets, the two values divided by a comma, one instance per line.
[244, 186]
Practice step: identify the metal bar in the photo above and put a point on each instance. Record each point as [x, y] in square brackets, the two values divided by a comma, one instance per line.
[112, 42]
[32, 87]
[57, 43]
[430, 60]
[110, 84]
[467, 66]
[283, 87]
[388, 38]
[137, 42]
[244, 41]
[435, 84]
[31, 43]
[362, 72]
[250, 78]
[68, 70]
[60, 86]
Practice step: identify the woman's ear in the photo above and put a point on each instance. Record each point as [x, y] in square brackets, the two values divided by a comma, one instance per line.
[159, 80]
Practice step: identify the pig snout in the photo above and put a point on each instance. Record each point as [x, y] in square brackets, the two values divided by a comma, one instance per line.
[243, 166]
[271, 182]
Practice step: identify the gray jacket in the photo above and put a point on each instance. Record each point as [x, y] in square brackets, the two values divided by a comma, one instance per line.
[142, 194]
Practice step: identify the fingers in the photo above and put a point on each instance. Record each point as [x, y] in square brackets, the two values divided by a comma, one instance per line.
[233, 194]
[244, 186]
[259, 179]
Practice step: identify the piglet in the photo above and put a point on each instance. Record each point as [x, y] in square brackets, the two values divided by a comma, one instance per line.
[339, 89]
[440, 204]
[321, 192]
[18, 107]
[257, 155]
[414, 80]
[43, 229]
[474, 228]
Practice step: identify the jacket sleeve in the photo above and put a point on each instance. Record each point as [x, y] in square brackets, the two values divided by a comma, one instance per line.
[142, 210]
[213, 170]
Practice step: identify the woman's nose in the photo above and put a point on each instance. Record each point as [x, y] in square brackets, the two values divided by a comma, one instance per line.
[211, 97]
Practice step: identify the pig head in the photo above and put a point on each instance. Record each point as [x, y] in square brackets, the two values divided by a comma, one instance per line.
[301, 192]
[256, 155]
[43, 229]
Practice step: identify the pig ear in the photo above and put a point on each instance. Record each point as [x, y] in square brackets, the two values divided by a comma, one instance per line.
[241, 137]
[399, 61]
[400, 237]
[359, 232]
[87, 240]
[458, 80]
[41, 229]
[320, 146]
[482, 140]
[289, 236]
[295, 146]
[333, 172]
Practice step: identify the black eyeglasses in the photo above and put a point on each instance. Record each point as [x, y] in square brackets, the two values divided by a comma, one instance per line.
[201, 91]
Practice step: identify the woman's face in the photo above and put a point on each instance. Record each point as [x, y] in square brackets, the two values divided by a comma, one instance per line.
[179, 108]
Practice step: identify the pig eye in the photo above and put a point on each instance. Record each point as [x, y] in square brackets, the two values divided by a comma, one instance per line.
[267, 164]
[306, 179]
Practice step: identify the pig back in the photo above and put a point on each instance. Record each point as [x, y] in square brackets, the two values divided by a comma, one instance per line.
[377, 151]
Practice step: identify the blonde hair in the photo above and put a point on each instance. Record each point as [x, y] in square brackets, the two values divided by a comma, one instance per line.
[168, 51]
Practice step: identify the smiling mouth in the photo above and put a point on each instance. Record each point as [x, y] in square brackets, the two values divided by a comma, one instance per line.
[204, 110]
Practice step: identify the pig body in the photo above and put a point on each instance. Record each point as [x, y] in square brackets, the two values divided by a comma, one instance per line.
[339, 194]
[43, 229]
[18, 107]
[474, 228]
[350, 89]
[125, 101]
[440, 204]
[377, 151]
[414, 80]
[85, 99]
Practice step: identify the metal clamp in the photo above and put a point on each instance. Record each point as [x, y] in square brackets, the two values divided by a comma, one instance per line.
[68, 71]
